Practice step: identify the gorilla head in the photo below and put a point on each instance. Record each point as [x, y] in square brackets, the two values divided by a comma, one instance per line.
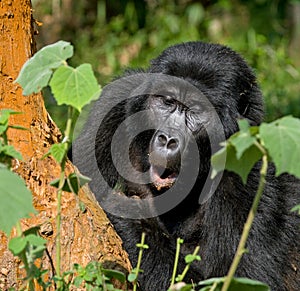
[159, 125]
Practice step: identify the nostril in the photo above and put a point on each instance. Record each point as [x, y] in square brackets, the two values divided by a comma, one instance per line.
[162, 139]
[172, 144]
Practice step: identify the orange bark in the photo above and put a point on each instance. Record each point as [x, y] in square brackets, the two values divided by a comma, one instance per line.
[85, 235]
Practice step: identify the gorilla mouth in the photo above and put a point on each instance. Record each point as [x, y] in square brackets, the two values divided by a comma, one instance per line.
[163, 178]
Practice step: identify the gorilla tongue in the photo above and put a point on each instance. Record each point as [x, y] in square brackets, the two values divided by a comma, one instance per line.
[162, 178]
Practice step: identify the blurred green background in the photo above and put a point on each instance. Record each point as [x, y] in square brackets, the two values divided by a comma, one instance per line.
[115, 34]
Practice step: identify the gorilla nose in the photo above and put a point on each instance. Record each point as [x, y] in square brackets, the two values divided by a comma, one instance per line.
[168, 143]
[167, 146]
[165, 152]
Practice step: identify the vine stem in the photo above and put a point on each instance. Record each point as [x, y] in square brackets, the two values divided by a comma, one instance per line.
[187, 267]
[241, 247]
[59, 194]
[30, 284]
[139, 260]
[179, 242]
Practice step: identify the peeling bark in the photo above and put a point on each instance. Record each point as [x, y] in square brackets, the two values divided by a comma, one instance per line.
[86, 235]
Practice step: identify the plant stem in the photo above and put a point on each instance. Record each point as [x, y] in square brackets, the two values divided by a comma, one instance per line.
[139, 260]
[178, 243]
[19, 229]
[59, 194]
[30, 284]
[241, 247]
[187, 267]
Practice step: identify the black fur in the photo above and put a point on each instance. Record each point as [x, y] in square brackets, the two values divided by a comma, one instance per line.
[216, 226]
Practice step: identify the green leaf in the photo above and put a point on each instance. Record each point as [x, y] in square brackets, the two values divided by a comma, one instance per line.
[296, 209]
[190, 258]
[37, 71]
[237, 284]
[3, 166]
[82, 206]
[282, 140]
[32, 230]
[243, 139]
[5, 113]
[180, 241]
[78, 281]
[132, 277]
[75, 86]
[16, 200]
[217, 161]
[17, 245]
[241, 166]
[55, 183]
[142, 246]
[3, 127]
[35, 240]
[114, 274]
[58, 151]
[73, 182]
[239, 153]
[4, 116]
[9, 150]
[76, 181]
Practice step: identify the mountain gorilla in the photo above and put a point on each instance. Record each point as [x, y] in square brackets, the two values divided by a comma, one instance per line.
[154, 131]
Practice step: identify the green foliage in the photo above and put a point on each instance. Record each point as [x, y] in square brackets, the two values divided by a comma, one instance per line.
[237, 284]
[133, 276]
[189, 259]
[16, 203]
[239, 151]
[7, 152]
[277, 74]
[57, 151]
[75, 87]
[279, 140]
[16, 200]
[36, 72]
[95, 277]
[72, 183]
[79, 86]
[32, 245]
[282, 140]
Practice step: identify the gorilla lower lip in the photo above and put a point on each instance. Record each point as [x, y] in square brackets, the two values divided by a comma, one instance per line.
[163, 178]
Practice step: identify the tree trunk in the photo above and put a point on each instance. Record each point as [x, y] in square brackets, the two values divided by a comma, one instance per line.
[86, 235]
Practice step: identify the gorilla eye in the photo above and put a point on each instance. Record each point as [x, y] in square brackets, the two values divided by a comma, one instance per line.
[169, 101]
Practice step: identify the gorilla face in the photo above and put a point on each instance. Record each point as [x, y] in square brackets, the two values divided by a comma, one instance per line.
[175, 124]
